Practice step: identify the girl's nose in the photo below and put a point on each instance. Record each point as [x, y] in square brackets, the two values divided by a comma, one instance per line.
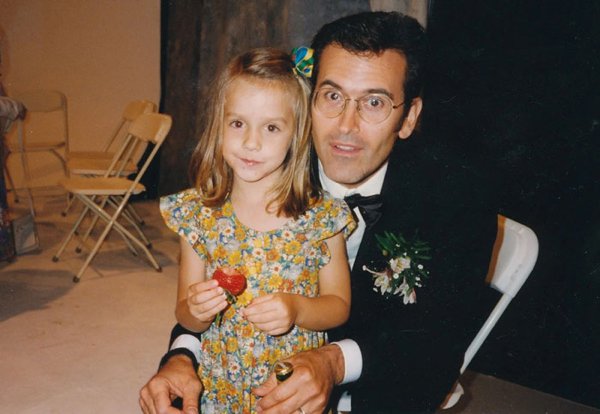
[252, 141]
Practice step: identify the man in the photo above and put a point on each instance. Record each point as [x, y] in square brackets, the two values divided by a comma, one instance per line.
[392, 356]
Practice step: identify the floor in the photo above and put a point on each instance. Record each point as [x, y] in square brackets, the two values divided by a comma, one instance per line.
[89, 347]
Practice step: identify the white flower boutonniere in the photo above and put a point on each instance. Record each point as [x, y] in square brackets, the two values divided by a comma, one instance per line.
[405, 270]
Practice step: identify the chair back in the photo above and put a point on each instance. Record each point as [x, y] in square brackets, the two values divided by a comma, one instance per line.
[136, 108]
[133, 110]
[151, 127]
[514, 256]
[42, 100]
[147, 128]
[51, 131]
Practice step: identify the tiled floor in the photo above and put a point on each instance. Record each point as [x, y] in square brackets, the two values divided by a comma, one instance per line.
[89, 347]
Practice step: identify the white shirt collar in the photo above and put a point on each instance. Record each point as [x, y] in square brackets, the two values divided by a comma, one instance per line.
[370, 187]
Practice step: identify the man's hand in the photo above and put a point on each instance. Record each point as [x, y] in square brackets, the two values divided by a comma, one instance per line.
[176, 378]
[309, 387]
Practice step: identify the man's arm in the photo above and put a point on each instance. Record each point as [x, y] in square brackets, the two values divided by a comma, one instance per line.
[176, 377]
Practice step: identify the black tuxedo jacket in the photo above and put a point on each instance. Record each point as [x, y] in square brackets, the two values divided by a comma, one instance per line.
[412, 353]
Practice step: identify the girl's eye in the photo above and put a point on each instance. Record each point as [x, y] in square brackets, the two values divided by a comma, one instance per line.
[236, 124]
[272, 128]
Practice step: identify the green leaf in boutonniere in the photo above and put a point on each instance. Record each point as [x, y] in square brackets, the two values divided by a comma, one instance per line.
[405, 270]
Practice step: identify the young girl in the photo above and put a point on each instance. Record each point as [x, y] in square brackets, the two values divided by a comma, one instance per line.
[255, 211]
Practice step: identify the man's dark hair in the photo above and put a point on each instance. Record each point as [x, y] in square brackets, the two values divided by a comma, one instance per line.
[376, 32]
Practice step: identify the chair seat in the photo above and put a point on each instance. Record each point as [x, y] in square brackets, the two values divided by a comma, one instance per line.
[89, 166]
[95, 155]
[44, 145]
[100, 186]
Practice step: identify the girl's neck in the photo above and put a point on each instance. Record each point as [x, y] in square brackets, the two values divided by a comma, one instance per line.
[250, 206]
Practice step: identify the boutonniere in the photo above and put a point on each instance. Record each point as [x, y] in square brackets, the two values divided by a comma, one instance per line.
[404, 270]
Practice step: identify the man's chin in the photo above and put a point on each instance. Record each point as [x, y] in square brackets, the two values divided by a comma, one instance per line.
[345, 176]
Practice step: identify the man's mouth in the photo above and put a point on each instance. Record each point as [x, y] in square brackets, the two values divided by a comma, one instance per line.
[345, 148]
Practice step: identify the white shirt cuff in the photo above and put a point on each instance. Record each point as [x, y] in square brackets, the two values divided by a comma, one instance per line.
[352, 360]
[188, 341]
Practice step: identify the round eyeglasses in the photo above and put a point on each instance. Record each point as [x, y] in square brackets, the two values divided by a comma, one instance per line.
[372, 108]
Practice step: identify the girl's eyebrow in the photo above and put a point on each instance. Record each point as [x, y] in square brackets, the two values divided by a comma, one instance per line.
[281, 119]
[380, 91]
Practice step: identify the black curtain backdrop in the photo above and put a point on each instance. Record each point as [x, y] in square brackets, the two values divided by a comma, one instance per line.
[513, 91]
[514, 88]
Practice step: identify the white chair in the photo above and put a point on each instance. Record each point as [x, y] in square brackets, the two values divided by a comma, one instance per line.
[514, 256]
[113, 190]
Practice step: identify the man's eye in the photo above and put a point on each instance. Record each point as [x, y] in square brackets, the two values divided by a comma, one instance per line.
[373, 103]
[332, 96]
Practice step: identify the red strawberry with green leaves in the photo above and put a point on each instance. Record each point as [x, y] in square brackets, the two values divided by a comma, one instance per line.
[232, 281]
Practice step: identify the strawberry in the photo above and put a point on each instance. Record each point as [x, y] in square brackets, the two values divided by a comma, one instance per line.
[230, 280]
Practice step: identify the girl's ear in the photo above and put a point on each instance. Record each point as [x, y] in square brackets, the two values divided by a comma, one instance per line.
[410, 122]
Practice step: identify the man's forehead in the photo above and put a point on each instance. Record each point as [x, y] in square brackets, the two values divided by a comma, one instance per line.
[362, 72]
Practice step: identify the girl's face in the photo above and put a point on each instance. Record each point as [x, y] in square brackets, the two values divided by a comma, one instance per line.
[258, 127]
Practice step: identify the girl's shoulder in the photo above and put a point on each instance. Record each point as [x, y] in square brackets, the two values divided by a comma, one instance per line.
[187, 200]
[327, 216]
[327, 202]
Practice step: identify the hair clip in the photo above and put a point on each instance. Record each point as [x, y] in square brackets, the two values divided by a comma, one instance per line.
[303, 60]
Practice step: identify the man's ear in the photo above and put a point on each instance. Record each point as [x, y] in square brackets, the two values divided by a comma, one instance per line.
[410, 122]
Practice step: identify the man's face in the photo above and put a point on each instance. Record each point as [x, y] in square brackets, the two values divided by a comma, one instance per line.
[349, 148]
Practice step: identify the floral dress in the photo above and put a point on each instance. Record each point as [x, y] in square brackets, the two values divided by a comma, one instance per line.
[237, 357]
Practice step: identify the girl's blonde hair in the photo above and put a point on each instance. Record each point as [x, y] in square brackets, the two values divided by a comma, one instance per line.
[208, 170]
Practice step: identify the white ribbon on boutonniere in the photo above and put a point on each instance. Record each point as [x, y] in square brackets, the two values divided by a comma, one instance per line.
[404, 271]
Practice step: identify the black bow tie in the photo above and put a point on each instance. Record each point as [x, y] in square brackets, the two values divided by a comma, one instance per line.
[368, 206]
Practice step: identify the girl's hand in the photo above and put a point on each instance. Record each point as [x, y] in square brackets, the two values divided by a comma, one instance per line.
[274, 314]
[205, 300]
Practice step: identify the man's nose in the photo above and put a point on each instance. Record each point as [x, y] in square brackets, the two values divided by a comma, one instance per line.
[349, 118]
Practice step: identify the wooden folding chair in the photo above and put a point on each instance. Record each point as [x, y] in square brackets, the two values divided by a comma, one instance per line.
[112, 190]
[96, 163]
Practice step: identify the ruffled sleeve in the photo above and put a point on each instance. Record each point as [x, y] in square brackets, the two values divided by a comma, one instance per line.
[182, 213]
[327, 218]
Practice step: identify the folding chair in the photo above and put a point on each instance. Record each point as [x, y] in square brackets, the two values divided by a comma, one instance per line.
[95, 163]
[514, 256]
[98, 194]
[42, 102]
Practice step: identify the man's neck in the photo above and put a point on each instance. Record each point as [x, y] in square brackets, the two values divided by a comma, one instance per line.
[371, 186]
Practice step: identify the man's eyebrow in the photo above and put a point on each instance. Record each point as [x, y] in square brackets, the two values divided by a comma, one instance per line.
[328, 82]
[380, 91]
